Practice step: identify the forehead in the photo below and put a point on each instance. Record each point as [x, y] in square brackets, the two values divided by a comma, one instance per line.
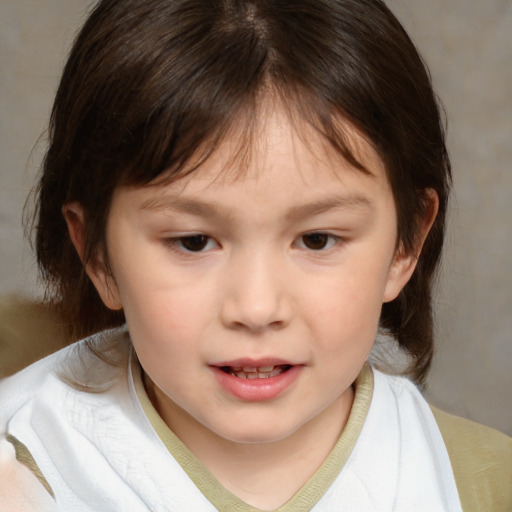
[275, 159]
[275, 136]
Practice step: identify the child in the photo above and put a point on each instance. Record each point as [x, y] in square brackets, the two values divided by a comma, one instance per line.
[237, 196]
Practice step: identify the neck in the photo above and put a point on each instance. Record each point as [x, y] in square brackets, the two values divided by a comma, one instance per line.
[263, 475]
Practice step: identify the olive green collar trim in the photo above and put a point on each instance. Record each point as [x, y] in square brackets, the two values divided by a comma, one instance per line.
[24, 457]
[309, 494]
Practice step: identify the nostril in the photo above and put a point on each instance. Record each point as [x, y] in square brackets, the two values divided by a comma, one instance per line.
[256, 309]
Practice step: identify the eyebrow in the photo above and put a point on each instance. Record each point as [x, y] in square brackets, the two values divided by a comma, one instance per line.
[208, 209]
[350, 202]
[191, 206]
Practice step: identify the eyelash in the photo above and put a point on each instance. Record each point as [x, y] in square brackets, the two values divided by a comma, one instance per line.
[203, 241]
[178, 243]
[324, 236]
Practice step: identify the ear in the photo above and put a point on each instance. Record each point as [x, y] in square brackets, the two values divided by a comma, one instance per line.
[403, 264]
[95, 268]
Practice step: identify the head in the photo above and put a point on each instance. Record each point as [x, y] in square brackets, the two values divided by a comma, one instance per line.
[153, 90]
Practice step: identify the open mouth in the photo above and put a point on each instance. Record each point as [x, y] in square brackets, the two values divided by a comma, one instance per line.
[262, 372]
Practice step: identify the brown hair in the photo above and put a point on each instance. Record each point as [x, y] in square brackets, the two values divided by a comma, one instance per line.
[149, 81]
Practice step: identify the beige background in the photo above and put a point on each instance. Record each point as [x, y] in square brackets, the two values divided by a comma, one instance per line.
[468, 45]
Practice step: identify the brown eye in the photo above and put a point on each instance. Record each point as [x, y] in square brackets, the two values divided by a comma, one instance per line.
[194, 243]
[316, 241]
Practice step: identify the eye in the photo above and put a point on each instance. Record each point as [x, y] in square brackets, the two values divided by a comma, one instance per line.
[192, 243]
[318, 241]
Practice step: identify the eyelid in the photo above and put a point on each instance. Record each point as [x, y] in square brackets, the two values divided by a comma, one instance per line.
[335, 240]
[175, 243]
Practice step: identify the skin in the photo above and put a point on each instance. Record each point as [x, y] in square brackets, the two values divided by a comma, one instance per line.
[20, 489]
[300, 254]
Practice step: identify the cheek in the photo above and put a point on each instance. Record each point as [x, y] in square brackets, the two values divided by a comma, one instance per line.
[168, 320]
[345, 311]
[351, 296]
[156, 294]
[165, 335]
[165, 314]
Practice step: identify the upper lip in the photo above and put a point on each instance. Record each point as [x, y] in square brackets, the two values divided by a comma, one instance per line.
[245, 362]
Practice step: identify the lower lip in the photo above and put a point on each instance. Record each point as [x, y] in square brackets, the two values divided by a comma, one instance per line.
[257, 390]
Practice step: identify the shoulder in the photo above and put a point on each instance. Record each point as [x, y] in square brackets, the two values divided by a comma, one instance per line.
[24, 386]
[90, 363]
[481, 459]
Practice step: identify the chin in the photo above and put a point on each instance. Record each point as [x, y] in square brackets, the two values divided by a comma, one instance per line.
[264, 433]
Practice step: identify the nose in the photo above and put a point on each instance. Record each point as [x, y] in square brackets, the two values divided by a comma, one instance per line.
[256, 296]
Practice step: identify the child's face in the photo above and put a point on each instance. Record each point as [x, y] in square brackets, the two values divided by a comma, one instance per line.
[284, 268]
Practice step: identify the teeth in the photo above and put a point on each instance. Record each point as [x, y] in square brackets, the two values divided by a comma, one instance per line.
[263, 372]
[251, 369]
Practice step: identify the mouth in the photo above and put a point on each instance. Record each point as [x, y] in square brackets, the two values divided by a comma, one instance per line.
[257, 380]
[260, 372]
